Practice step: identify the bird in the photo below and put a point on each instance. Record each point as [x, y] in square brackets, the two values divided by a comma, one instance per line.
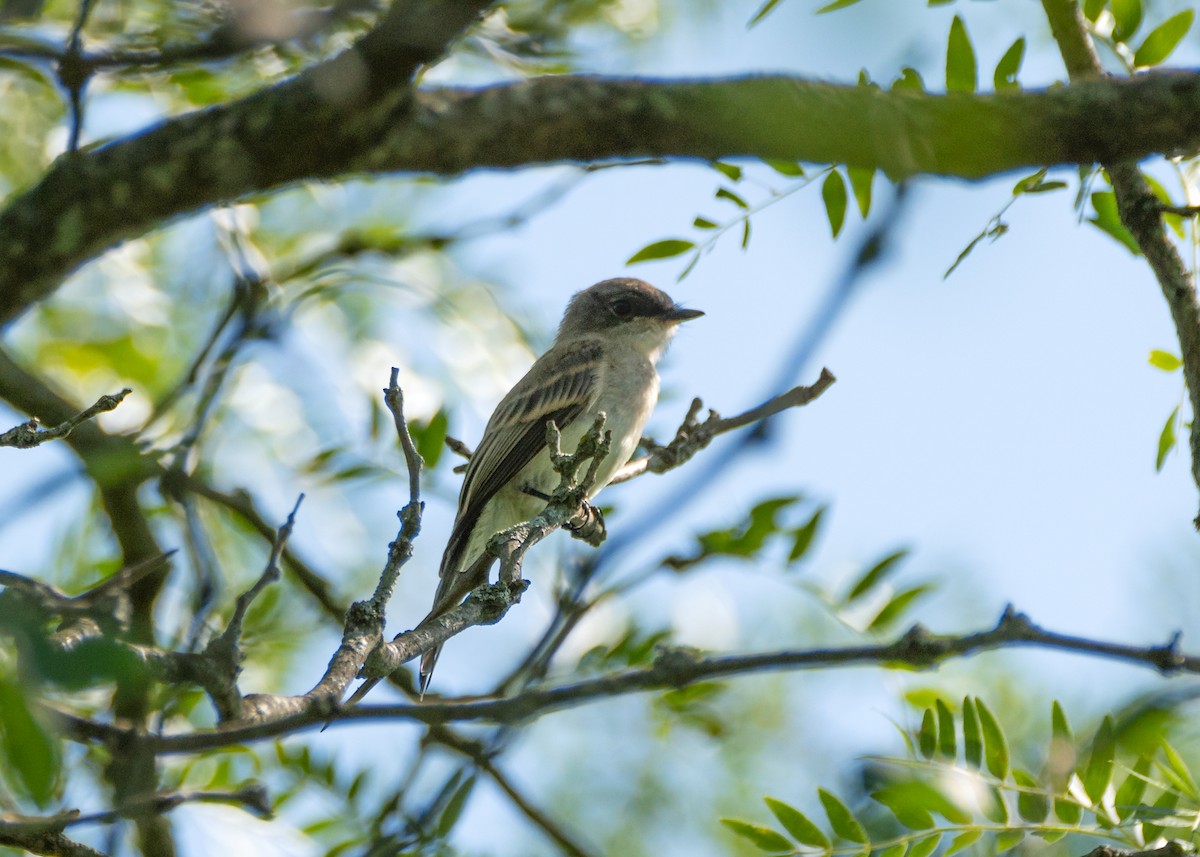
[602, 361]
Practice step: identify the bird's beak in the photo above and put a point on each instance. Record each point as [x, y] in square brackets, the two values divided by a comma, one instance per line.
[680, 314]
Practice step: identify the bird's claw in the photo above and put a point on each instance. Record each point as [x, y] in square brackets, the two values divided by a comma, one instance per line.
[588, 525]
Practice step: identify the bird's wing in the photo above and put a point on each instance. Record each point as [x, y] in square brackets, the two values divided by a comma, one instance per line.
[558, 387]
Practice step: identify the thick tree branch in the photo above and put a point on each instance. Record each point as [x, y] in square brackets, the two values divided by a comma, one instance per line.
[1141, 213]
[94, 200]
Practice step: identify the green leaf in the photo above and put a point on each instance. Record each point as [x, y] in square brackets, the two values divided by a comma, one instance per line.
[749, 539]
[1133, 789]
[972, 740]
[1037, 183]
[797, 824]
[430, 438]
[876, 574]
[896, 607]
[664, 249]
[29, 750]
[1098, 775]
[994, 743]
[1177, 772]
[925, 847]
[802, 536]
[909, 802]
[946, 744]
[1166, 440]
[1030, 805]
[928, 734]
[1164, 360]
[1093, 8]
[1005, 77]
[763, 11]
[730, 171]
[784, 168]
[964, 840]
[897, 850]
[995, 809]
[726, 193]
[764, 838]
[833, 192]
[909, 81]
[1107, 219]
[861, 179]
[1165, 804]
[960, 59]
[1006, 840]
[835, 5]
[841, 819]
[1127, 17]
[703, 223]
[1163, 39]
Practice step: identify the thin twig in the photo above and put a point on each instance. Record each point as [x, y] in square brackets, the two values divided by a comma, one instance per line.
[28, 434]
[483, 761]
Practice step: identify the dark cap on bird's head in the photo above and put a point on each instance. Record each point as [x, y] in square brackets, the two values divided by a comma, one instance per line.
[622, 299]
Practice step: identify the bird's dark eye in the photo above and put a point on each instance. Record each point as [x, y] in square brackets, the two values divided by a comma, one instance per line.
[622, 308]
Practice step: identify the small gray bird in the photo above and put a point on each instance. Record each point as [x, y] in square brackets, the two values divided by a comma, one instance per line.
[602, 359]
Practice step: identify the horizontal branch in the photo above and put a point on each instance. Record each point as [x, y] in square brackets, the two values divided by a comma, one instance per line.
[674, 668]
[90, 201]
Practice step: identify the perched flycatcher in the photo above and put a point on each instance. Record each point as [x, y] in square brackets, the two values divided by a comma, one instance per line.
[602, 359]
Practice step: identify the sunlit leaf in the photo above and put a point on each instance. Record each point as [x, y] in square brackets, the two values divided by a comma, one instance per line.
[730, 171]
[909, 802]
[861, 179]
[841, 819]
[430, 438]
[664, 249]
[1166, 440]
[797, 824]
[927, 735]
[972, 737]
[1105, 204]
[703, 223]
[909, 81]
[925, 847]
[895, 608]
[1133, 789]
[726, 193]
[784, 168]
[1093, 8]
[1164, 360]
[763, 11]
[1006, 840]
[802, 536]
[764, 838]
[964, 840]
[833, 192]
[1005, 76]
[835, 5]
[1163, 39]
[1165, 804]
[1127, 17]
[946, 743]
[1098, 774]
[961, 73]
[995, 745]
[876, 574]
[1176, 771]
[1030, 805]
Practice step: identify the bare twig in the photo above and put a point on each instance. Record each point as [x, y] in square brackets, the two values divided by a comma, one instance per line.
[693, 435]
[28, 434]
[482, 760]
[400, 550]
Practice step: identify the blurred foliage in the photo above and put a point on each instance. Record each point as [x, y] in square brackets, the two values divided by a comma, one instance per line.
[257, 337]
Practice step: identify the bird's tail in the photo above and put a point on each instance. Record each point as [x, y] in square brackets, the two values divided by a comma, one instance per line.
[428, 662]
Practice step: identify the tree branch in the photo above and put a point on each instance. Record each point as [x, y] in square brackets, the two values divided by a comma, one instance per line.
[674, 668]
[91, 201]
[28, 435]
[1141, 213]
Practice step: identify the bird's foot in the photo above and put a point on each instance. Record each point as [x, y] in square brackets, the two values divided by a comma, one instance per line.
[588, 525]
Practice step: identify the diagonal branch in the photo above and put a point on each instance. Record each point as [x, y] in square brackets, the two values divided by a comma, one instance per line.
[28, 434]
[1141, 213]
